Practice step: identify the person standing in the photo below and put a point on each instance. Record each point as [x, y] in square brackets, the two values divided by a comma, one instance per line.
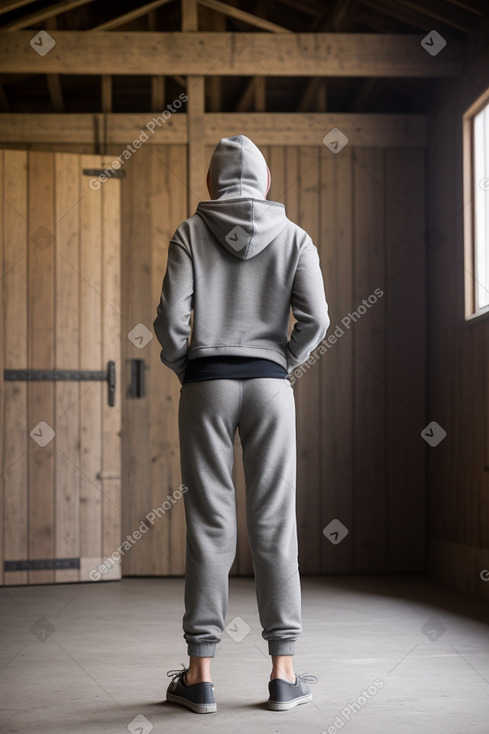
[239, 265]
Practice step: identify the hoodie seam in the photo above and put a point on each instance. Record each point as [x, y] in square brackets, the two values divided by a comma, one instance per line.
[216, 202]
[233, 346]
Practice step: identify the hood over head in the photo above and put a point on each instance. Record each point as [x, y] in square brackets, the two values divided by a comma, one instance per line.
[238, 215]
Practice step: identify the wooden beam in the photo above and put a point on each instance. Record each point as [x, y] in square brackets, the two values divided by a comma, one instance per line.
[216, 22]
[314, 9]
[54, 84]
[131, 15]
[10, 5]
[195, 118]
[246, 100]
[242, 15]
[440, 13]
[190, 15]
[338, 18]
[40, 15]
[4, 103]
[55, 92]
[368, 92]
[230, 54]
[274, 128]
[400, 13]
[260, 93]
[106, 93]
[314, 91]
[196, 143]
[470, 7]
[157, 93]
[366, 130]
[82, 128]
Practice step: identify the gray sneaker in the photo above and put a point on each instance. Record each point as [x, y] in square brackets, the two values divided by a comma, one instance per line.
[198, 697]
[285, 695]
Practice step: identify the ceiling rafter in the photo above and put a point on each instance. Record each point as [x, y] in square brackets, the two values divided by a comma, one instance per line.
[315, 8]
[53, 80]
[400, 13]
[339, 18]
[131, 15]
[10, 5]
[242, 15]
[470, 7]
[439, 13]
[40, 15]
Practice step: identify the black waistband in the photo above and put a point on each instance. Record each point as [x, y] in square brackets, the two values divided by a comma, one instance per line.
[231, 368]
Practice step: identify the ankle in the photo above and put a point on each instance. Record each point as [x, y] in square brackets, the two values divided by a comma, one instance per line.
[199, 671]
[282, 667]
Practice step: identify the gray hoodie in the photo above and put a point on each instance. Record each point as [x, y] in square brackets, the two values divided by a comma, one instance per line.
[240, 265]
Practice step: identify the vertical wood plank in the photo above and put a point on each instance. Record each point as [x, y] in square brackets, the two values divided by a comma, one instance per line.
[369, 526]
[336, 364]
[16, 438]
[67, 349]
[137, 310]
[2, 367]
[41, 356]
[161, 383]
[90, 359]
[178, 167]
[405, 354]
[196, 146]
[195, 117]
[308, 391]
[111, 350]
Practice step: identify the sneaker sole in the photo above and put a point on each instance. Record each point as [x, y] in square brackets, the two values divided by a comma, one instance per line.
[198, 708]
[287, 705]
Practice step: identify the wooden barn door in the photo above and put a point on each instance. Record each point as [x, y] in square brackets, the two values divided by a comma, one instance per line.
[60, 448]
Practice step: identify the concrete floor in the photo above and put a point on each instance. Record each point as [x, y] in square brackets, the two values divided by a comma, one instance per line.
[93, 658]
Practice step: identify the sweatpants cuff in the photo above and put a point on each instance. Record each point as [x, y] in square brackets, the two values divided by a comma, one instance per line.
[201, 650]
[281, 647]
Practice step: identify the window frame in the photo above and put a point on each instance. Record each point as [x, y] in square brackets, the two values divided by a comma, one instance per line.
[470, 260]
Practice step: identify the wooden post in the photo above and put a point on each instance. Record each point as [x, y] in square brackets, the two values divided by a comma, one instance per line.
[195, 119]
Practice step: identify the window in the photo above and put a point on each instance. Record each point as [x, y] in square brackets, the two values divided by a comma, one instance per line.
[476, 210]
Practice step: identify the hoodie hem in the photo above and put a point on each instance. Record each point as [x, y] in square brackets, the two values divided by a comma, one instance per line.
[240, 350]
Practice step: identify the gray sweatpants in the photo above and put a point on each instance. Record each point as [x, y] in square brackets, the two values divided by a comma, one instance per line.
[263, 410]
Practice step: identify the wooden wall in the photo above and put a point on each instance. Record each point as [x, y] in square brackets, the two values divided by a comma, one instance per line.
[360, 408]
[60, 256]
[458, 391]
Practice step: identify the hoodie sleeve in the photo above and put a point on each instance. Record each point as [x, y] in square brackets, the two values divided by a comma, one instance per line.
[309, 307]
[172, 323]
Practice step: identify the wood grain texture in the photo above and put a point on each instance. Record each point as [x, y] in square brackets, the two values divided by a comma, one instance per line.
[405, 359]
[457, 474]
[2, 360]
[110, 305]
[92, 393]
[336, 364]
[230, 54]
[307, 391]
[369, 380]
[41, 311]
[270, 128]
[67, 356]
[16, 430]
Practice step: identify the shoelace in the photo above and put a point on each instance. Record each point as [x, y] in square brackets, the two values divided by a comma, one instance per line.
[306, 678]
[176, 673]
